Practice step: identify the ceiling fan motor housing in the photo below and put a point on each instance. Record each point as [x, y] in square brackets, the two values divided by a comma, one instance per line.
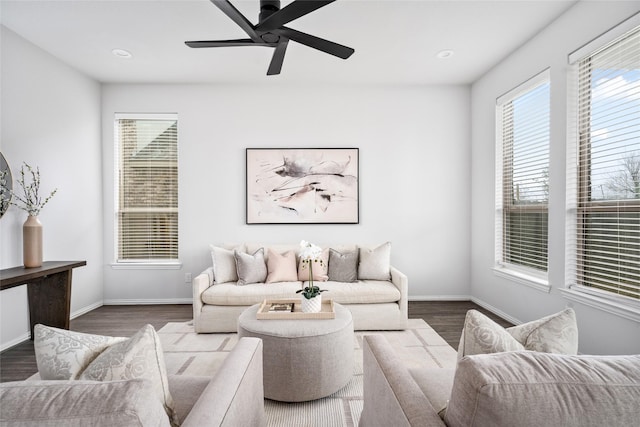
[268, 8]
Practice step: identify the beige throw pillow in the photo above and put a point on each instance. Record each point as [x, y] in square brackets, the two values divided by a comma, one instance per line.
[281, 267]
[375, 264]
[137, 357]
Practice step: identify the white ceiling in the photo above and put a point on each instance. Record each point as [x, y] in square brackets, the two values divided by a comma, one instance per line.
[395, 41]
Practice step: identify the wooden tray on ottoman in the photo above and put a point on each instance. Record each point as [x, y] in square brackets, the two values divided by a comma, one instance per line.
[326, 312]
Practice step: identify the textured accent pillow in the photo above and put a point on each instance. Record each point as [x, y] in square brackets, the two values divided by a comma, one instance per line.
[343, 267]
[556, 333]
[281, 267]
[137, 357]
[224, 264]
[63, 355]
[481, 335]
[251, 268]
[320, 271]
[375, 264]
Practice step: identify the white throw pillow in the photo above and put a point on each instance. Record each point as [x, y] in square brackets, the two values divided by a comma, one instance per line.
[375, 264]
[281, 267]
[63, 355]
[556, 333]
[125, 358]
[481, 335]
[224, 264]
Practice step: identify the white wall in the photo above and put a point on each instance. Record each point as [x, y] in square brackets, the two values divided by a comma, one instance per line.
[600, 332]
[414, 174]
[50, 117]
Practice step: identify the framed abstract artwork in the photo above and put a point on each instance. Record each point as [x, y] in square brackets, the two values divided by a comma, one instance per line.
[302, 186]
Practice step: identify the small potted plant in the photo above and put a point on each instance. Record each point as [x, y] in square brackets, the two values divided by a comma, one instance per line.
[311, 300]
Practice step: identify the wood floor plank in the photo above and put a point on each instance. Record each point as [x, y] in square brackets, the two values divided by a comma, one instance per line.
[19, 362]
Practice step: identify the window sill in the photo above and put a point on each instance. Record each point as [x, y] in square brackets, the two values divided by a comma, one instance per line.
[175, 265]
[537, 283]
[618, 308]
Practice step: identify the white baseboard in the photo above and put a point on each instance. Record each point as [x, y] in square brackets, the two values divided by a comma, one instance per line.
[495, 311]
[27, 335]
[15, 341]
[475, 300]
[85, 310]
[440, 298]
[148, 301]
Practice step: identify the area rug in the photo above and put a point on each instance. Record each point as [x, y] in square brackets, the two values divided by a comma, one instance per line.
[188, 353]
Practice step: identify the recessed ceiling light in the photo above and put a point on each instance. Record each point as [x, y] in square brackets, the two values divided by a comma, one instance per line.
[121, 53]
[444, 54]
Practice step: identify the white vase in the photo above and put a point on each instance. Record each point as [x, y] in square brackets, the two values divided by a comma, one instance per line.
[312, 305]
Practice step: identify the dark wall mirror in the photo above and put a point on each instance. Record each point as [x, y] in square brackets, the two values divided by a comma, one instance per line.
[6, 185]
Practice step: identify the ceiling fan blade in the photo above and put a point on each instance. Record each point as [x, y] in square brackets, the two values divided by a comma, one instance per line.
[227, 43]
[233, 13]
[326, 46]
[290, 12]
[278, 57]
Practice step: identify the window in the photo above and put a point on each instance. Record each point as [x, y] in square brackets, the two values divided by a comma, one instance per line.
[603, 220]
[522, 179]
[146, 217]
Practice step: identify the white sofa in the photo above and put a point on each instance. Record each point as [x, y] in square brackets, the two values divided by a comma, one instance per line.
[374, 304]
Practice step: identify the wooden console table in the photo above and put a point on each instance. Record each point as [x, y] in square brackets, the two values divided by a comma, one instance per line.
[48, 291]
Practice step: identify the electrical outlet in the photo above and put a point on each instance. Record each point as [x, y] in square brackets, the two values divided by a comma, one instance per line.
[187, 278]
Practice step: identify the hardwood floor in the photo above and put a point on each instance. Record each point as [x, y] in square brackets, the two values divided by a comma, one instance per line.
[19, 362]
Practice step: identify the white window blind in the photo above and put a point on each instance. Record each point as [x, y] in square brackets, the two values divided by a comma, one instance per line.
[603, 219]
[146, 188]
[522, 171]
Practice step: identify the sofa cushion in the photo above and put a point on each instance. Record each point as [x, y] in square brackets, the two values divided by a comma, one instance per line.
[251, 267]
[343, 266]
[137, 357]
[557, 333]
[281, 267]
[63, 355]
[540, 389]
[320, 270]
[224, 264]
[255, 293]
[375, 264]
[81, 403]
[482, 335]
[361, 292]
[435, 384]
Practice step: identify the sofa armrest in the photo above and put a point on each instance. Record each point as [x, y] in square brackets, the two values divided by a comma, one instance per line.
[391, 396]
[235, 395]
[201, 282]
[401, 282]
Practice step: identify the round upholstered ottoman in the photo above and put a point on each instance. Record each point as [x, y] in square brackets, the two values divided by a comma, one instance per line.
[304, 359]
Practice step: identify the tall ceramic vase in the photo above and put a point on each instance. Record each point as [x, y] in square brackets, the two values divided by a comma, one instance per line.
[32, 242]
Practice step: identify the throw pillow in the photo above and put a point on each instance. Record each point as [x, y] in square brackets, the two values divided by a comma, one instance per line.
[281, 267]
[251, 268]
[375, 264]
[224, 264]
[556, 333]
[63, 355]
[320, 271]
[481, 335]
[343, 267]
[137, 357]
